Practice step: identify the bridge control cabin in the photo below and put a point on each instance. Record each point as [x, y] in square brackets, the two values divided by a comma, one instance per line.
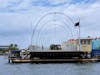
[86, 44]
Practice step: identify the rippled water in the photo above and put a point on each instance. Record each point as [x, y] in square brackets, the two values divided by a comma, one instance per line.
[48, 69]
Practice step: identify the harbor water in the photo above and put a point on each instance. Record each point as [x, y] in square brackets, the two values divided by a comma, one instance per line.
[48, 69]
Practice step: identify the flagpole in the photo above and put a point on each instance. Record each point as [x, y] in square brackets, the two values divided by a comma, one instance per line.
[79, 32]
[79, 37]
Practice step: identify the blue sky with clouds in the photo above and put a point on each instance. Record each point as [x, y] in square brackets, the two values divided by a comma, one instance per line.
[17, 17]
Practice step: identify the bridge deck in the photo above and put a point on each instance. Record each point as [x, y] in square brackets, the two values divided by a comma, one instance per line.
[56, 54]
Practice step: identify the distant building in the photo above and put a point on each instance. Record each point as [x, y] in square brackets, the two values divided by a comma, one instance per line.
[4, 47]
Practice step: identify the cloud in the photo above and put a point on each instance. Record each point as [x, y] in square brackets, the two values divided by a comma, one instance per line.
[50, 3]
[26, 5]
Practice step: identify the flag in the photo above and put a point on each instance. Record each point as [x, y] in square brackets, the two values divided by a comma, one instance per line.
[77, 24]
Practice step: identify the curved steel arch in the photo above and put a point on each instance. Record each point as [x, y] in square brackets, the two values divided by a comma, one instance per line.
[60, 26]
[43, 17]
[64, 23]
[52, 41]
[63, 26]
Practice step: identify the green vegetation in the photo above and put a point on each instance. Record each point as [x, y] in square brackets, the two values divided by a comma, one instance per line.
[5, 49]
[13, 47]
[55, 47]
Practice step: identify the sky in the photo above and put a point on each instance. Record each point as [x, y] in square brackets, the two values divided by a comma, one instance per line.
[19, 17]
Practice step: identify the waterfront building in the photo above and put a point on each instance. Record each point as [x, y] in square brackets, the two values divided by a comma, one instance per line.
[70, 45]
[73, 45]
[95, 48]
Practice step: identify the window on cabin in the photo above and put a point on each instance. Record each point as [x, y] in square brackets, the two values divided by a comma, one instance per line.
[84, 42]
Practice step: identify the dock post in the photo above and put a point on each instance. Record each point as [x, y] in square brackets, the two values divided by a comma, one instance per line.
[8, 60]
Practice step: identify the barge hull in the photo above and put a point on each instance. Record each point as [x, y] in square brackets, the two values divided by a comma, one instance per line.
[55, 60]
